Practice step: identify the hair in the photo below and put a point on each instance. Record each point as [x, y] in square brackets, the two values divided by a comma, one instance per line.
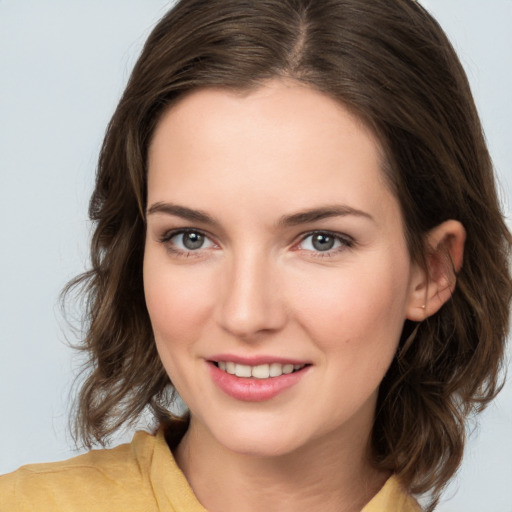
[391, 64]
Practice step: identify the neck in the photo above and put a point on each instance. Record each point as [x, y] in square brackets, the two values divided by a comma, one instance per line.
[333, 474]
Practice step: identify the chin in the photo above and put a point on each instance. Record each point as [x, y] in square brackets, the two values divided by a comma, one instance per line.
[261, 447]
[257, 437]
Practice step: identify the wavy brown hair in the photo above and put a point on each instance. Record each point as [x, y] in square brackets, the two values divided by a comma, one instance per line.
[391, 64]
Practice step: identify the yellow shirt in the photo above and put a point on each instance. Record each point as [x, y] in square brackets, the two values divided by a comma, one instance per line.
[141, 476]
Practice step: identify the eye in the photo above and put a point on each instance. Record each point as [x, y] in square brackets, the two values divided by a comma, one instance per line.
[186, 241]
[321, 241]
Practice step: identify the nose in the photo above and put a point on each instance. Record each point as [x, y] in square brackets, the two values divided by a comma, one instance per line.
[251, 304]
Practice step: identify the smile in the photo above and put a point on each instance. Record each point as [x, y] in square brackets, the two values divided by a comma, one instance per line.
[256, 382]
[260, 371]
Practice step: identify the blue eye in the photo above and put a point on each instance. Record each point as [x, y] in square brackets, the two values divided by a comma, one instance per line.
[187, 241]
[323, 242]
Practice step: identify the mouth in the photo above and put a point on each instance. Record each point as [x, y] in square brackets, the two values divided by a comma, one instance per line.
[262, 380]
[260, 371]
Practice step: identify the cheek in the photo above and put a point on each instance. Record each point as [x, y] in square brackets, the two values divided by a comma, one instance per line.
[355, 311]
[178, 303]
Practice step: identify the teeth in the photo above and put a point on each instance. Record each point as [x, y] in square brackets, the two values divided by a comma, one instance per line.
[242, 370]
[288, 368]
[261, 371]
[276, 369]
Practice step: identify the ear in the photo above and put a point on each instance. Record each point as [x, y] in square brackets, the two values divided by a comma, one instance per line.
[432, 287]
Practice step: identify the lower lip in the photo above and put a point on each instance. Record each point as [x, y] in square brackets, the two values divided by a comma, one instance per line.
[250, 389]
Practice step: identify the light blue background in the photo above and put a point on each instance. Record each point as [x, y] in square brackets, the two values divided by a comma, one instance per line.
[63, 66]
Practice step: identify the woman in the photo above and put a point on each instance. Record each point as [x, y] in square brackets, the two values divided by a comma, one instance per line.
[296, 218]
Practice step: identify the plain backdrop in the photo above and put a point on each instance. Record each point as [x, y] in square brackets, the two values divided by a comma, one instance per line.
[63, 66]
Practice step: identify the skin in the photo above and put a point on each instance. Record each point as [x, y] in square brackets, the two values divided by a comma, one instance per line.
[258, 286]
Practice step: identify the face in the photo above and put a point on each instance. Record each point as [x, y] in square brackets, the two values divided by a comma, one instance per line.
[273, 246]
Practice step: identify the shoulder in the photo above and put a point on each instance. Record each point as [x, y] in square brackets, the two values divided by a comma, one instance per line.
[84, 482]
[393, 497]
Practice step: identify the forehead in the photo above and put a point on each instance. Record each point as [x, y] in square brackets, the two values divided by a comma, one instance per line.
[282, 142]
[278, 101]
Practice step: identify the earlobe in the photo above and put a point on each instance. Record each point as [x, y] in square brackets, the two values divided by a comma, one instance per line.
[432, 287]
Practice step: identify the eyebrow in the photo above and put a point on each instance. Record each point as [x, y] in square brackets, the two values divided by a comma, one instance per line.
[316, 214]
[294, 219]
[183, 212]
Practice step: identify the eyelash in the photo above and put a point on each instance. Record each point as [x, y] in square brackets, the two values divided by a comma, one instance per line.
[345, 241]
[169, 235]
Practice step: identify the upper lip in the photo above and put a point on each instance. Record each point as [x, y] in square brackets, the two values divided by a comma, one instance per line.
[255, 360]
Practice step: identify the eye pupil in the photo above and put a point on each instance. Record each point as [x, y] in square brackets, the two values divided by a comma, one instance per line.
[193, 240]
[322, 242]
